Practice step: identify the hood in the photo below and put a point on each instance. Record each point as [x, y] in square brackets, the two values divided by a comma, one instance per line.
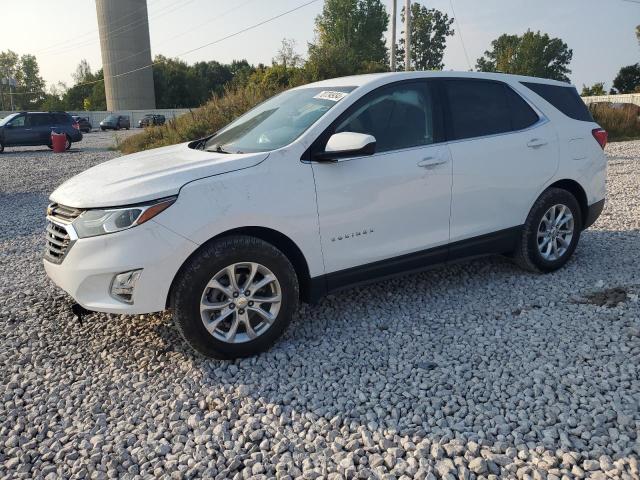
[147, 175]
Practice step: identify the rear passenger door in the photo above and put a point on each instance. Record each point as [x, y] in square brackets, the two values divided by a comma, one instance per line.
[503, 151]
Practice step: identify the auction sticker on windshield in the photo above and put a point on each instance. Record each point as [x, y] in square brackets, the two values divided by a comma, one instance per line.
[331, 95]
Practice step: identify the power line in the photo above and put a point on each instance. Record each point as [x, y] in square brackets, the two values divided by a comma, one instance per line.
[464, 48]
[66, 43]
[191, 29]
[122, 29]
[221, 39]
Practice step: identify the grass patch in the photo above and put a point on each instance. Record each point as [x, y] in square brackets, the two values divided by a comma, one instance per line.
[213, 115]
[622, 122]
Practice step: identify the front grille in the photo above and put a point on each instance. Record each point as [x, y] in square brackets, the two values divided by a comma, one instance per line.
[59, 240]
[62, 213]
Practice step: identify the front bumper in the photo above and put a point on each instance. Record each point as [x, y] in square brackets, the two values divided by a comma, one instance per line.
[88, 269]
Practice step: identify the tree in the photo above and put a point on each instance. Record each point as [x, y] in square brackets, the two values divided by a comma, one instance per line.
[83, 72]
[627, 80]
[595, 89]
[349, 39]
[88, 91]
[532, 54]
[30, 84]
[287, 55]
[429, 31]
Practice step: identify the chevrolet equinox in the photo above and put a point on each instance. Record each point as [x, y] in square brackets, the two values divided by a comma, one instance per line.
[325, 186]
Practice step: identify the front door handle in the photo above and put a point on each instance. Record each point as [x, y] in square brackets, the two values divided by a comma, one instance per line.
[536, 143]
[431, 162]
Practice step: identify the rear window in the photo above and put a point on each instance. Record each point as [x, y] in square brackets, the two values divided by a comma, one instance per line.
[565, 99]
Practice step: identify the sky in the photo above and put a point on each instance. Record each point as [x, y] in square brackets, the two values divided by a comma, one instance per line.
[61, 33]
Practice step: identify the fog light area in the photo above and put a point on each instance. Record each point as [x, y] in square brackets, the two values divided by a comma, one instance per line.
[123, 285]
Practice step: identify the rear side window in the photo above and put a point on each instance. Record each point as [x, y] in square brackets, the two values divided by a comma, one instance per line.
[565, 99]
[477, 108]
[522, 115]
[62, 118]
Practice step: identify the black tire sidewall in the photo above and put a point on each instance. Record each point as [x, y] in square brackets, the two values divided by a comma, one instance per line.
[547, 200]
[68, 143]
[187, 293]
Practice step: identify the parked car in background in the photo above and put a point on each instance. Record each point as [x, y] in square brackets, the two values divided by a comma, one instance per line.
[326, 186]
[34, 128]
[85, 124]
[151, 119]
[115, 122]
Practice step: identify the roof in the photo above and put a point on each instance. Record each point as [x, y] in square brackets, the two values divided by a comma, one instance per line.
[361, 80]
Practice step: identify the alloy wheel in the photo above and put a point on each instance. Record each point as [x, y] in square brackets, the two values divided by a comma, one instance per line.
[240, 302]
[555, 232]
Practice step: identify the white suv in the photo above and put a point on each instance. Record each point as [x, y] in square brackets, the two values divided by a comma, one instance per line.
[325, 186]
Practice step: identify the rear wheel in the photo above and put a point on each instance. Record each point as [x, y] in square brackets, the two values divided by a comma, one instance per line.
[235, 297]
[1, 147]
[551, 232]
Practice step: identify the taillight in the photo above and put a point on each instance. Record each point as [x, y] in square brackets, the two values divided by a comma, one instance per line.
[76, 125]
[601, 136]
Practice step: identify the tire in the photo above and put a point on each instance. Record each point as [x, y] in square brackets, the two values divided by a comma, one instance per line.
[1, 147]
[540, 248]
[193, 285]
[102, 128]
[67, 143]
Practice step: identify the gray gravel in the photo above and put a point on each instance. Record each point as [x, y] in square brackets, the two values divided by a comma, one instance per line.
[473, 371]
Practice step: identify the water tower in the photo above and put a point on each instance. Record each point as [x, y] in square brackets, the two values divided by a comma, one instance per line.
[125, 45]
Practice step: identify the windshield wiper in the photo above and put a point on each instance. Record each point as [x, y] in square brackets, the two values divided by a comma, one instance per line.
[218, 149]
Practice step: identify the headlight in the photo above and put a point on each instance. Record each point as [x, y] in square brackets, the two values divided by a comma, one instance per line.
[101, 221]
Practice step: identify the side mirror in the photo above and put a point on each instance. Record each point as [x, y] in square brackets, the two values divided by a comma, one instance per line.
[346, 145]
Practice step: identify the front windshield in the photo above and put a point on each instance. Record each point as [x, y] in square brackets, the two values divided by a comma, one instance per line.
[8, 118]
[276, 122]
[110, 118]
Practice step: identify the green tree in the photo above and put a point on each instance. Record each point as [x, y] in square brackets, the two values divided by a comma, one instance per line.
[593, 90]
[349, 39]
[88, 91]
[429, 31]
[534, 54]
[287, 55]
[627, 80]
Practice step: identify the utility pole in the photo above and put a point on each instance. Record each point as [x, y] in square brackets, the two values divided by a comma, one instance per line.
[394, 14]
[407, 35]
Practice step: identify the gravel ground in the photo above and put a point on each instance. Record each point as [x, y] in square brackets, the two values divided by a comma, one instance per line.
[473, 371]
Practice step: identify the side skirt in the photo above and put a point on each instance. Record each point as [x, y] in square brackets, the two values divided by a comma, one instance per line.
[496, 243]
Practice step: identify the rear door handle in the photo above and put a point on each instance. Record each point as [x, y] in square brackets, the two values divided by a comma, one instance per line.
[431, 162]
[536, 143]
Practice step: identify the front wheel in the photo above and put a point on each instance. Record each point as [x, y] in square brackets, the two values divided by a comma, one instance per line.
[235, 297]
[551, 232]
[67, 143]
[1, 147]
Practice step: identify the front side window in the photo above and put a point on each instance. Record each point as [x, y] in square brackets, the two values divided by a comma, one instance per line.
[8, 119]
[278, 121]
[398, 116]
[17, 121]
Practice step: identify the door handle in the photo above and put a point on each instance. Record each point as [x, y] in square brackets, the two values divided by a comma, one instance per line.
[431, 162]
[536, 143]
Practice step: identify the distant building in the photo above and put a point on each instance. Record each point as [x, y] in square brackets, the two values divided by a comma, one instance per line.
[126, 54]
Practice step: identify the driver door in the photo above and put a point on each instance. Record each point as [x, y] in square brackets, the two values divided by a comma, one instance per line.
[388, 212]
[16, 132]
